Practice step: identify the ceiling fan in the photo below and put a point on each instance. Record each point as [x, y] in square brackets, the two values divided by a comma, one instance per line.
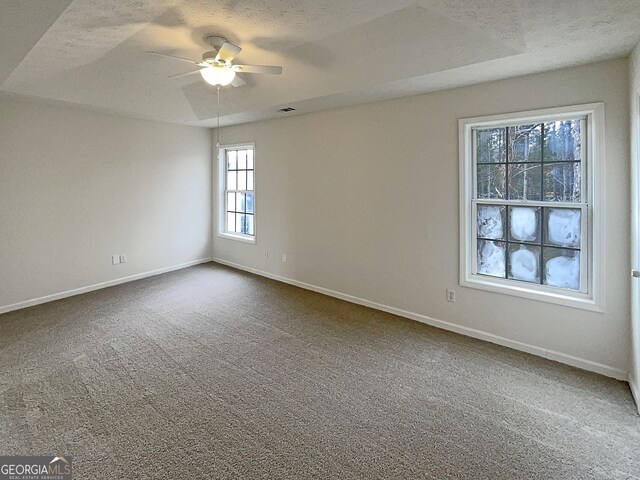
[217, 67]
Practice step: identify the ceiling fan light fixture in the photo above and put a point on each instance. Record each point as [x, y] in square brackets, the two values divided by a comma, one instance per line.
[216, 75]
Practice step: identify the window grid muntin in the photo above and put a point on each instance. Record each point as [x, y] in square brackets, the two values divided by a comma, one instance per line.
[507, 202]
[493, 126]
[542, 244]
[235, 191]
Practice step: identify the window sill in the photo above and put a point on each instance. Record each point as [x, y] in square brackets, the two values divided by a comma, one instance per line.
[548, 295]
[238, 237]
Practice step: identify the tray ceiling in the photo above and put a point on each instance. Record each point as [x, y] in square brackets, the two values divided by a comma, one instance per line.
[91, 53]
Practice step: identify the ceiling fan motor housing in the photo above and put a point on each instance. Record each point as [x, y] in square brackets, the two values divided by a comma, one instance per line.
[216, 41]
[210, 56]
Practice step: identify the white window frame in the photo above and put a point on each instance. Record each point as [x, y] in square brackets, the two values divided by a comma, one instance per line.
[590, 297]
[222, 201]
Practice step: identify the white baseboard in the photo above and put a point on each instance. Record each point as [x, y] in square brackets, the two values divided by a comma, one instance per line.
[97, 286]
[582, 363]
[634, 391]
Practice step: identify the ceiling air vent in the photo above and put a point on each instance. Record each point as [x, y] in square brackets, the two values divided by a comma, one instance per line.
[286, 109]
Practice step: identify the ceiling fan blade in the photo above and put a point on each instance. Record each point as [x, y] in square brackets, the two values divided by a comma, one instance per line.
[272, 69]
[184, 74]
[238, 82]
[227, 52]
[174, 57]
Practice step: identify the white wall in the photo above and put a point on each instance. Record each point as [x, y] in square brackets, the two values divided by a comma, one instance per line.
[634, 102]
[77, 187]
[395, 164]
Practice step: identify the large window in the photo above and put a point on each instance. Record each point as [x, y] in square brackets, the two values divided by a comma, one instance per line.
[528, 204]
[237, 177]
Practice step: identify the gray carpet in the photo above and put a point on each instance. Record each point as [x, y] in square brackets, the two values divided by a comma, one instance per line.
[213, 373]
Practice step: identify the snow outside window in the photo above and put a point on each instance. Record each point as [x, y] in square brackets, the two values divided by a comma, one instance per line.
[527, 216]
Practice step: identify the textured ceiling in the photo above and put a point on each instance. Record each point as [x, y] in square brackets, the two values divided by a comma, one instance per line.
[91, 53]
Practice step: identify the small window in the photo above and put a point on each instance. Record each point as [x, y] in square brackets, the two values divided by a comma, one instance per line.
[528, 204]
[237, 181]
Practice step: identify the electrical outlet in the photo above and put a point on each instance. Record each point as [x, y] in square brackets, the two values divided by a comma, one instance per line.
[451, 296]
[115, 259]
[284, 258]
[123, 258]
